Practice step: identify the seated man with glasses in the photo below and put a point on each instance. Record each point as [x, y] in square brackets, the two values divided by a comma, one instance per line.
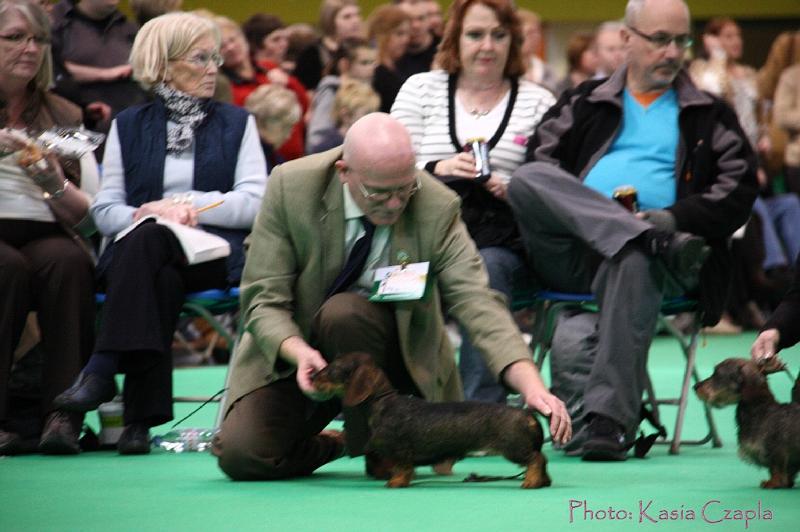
[682, 150]
[327, 222]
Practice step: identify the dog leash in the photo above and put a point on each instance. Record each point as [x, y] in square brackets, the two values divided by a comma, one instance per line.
[474, 477]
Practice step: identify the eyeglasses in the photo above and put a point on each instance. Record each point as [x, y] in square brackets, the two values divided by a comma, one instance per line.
[662, 40]
[384, 195]
[202, 60]
[22, 39]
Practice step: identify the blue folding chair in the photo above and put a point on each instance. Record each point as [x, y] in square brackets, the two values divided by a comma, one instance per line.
[548, 305]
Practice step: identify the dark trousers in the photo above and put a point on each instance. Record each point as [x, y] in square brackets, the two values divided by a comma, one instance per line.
[42, 269]
[273, 432]
[146, 283]
[579, 241]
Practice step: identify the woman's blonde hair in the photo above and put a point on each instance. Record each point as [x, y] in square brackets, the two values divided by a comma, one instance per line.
[272, 103]
[354, 98]
[164, 39]
[36, 17]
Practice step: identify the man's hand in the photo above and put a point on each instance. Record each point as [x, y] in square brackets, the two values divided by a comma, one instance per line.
[766, 344]
[660, 219]
[308, 364]
[524, 377]
[308, 360]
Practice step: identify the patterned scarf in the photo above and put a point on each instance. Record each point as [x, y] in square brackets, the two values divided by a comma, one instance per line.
[185, 110]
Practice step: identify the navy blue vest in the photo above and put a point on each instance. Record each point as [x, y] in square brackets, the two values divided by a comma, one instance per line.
[143, 141]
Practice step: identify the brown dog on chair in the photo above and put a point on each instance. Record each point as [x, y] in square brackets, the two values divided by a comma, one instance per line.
[410, 431]
[769, 432]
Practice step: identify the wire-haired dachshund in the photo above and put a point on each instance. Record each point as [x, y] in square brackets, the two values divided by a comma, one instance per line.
[410, 431]
[769, 432]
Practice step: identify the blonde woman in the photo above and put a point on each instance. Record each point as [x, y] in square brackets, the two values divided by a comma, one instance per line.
[169, 157]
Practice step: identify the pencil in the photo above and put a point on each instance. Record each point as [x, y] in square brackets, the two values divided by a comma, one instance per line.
[210, 206]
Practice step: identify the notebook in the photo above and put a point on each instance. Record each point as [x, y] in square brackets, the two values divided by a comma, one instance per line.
[198, 245]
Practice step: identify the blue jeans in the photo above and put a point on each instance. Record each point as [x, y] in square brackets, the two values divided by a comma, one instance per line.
[504, 268]
[780, 221]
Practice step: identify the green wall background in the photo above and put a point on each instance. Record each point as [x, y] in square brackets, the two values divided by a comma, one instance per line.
[550, 10]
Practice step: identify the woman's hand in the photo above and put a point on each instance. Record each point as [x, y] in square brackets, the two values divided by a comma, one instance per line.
[182, 213]
[462, 165]
[766, 344]
[10, 142]
[497, 187]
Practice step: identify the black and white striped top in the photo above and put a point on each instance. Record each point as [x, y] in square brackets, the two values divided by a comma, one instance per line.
[425, 105]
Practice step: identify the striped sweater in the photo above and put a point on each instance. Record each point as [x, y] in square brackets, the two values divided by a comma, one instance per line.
[426, 107]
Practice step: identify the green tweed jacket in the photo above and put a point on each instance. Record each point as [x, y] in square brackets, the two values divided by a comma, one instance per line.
[296, 250]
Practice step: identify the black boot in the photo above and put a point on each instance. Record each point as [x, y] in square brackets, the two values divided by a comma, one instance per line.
[606, 441]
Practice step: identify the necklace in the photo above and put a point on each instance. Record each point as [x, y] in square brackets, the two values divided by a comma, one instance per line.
[479, 102]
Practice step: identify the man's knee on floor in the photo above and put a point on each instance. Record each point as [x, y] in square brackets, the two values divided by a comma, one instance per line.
[243, 458]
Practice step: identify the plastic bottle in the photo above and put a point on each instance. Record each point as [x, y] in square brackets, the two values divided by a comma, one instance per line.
[111, 423]
[186, 440]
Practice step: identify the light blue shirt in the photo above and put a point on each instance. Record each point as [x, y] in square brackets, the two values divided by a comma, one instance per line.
[112, 213]
[353, 230]
[644, 153]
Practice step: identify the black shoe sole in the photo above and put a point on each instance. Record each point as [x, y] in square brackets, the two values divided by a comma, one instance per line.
[134, 449]
[603, 455]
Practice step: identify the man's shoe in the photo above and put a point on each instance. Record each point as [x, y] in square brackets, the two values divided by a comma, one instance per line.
[337, 438]
[61, 433]
[605, 442]
[682, 253]
[135, 439]
[87, 393]
[10, 443]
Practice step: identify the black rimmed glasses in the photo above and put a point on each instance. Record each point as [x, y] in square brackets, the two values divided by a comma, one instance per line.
[385, 194]
[662, 39]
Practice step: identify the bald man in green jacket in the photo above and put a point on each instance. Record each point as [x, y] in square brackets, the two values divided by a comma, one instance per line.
[311, 218]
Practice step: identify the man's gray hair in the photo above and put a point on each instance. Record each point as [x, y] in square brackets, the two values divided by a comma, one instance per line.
[634, 8]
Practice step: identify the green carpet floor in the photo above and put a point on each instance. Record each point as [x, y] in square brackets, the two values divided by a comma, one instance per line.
[698, 489]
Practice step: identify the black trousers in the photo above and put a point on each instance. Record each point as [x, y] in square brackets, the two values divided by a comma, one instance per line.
[273, 432]
[146, 282]
[42, 269]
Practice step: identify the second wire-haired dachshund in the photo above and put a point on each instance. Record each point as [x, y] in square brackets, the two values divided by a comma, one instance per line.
[409, 431]
[769, 432]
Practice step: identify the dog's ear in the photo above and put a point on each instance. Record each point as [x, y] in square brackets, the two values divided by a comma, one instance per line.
[770, 365]
[360, 386]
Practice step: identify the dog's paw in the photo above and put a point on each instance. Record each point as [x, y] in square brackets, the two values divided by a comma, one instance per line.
[444, 468]
[773, 484]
